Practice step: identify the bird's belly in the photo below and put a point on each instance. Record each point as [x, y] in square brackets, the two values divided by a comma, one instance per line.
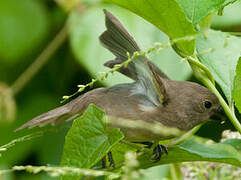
[136, 131]
[141, 135]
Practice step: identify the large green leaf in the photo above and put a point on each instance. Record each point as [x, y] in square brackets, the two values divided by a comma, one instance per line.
[157, 172]
[88, 140]
[85, 30]
[196, 10]
[23, 25]
[237, 86]
[166, 15]
[235, 143]
[222, 60]
[193, 150]
[230, 17]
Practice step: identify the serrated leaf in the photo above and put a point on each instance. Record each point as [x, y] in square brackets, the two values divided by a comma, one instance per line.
[163, 14]
[222, 60]
[88, 140]
[237, 86]
[230, 17]
[196, 10]
[192, 150]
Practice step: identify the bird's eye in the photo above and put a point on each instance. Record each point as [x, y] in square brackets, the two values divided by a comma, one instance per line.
[207, 104]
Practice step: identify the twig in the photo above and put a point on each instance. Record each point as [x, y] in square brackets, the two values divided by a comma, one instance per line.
[59, 171]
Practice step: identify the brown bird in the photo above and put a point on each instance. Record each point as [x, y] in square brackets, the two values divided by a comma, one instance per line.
[153, 97]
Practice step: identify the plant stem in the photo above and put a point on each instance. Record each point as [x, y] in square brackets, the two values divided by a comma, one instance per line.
[176, 173]
[203, 74]
[38, 63]
[185, 136]
[196, 62]
[226, 108]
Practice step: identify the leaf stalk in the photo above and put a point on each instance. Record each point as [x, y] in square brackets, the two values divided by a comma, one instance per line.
[202, 73]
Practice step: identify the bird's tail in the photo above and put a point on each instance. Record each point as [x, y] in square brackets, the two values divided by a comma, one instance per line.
[66, 112]
[120, 42]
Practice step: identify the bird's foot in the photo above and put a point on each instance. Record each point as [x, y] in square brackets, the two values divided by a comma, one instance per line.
[110, 159]
[158, 151]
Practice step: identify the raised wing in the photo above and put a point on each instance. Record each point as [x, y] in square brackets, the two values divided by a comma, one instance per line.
[148, 77]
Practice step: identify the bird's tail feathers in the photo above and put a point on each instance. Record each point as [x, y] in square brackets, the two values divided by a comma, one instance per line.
[53, 117]
[119, 42]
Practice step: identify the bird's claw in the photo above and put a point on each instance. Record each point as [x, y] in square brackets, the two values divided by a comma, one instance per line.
[158, 151]
[110, 159]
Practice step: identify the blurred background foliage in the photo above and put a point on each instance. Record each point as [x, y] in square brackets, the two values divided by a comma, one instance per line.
[27, 27]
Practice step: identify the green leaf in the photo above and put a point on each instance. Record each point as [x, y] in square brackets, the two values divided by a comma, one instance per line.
[119, 151]
[84, 41]
[222, 60]
[23, 25]
[196, 10]
[158, 172]
[166, 15]
[230, 18]
[192, 150]
[237, 86]
[88, 140]
[235, 143]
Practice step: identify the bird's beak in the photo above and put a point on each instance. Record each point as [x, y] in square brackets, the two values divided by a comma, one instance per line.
[219, 115]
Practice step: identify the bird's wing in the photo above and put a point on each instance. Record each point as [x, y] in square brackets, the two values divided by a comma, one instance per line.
[147, 75]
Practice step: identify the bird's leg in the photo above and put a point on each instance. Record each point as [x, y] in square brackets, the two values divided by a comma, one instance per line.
[103, 162]
[158, 150]
[110, 159]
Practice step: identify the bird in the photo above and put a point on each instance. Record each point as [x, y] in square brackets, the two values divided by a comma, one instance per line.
[152, 97]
